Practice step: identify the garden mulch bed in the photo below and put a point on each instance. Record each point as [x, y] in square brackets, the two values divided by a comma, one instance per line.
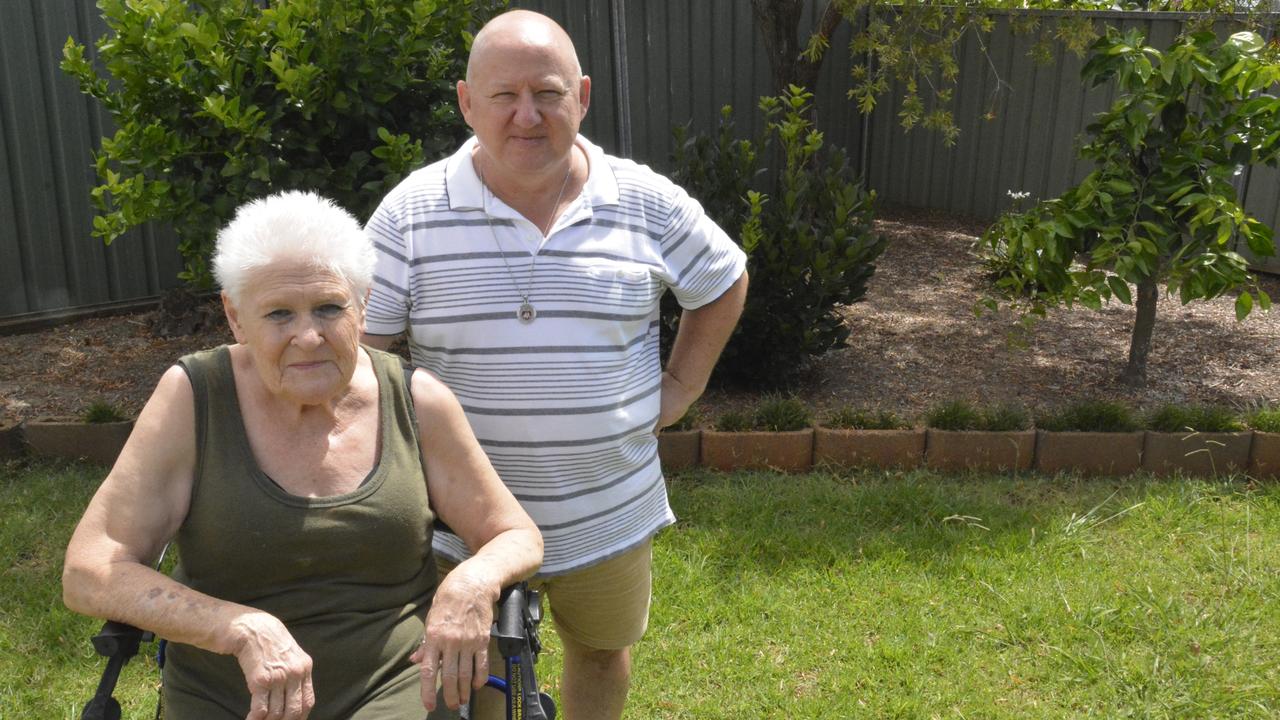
[915, 341]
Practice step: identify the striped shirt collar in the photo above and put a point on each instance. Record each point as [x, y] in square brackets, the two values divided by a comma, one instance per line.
[465, 191]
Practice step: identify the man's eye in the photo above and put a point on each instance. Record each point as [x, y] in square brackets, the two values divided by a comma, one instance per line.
[330, 310]
[279, 315]
[549, 94]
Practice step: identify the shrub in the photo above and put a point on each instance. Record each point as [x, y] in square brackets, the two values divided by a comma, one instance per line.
[217, 103]
[1090, 416]
[691, 419]
[849, 418]
[962, 415]
[101, 411]
[1005, 418]
[954, 415]
[809, 241]
[781, 414]
[1265, 420]
[1194, 418]
[734, 421]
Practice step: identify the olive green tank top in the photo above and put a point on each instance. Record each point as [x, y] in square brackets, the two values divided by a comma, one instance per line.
[350, 575]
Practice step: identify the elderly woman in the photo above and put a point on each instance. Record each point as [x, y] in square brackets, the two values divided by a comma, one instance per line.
[300, 474]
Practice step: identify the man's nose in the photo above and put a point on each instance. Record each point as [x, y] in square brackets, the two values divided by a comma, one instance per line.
[527, 114]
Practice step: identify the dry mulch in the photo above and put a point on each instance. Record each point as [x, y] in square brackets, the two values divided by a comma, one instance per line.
[915, 342]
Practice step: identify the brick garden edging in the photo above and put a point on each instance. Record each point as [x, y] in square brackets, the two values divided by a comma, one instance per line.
[1202, 454]
[1116, 454]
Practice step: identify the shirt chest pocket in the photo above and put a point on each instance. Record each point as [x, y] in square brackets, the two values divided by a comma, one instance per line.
[625, 287]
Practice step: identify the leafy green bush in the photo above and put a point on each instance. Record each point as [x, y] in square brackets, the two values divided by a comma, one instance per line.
[781, 414]
[850, 418]
[734, 421]
[1194, 418]
[101, 411]
[1090, 416]
[217, 103]
[1265, 420]
[809, 241]
[962, 415]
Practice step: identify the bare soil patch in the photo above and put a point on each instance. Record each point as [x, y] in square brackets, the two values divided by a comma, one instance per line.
[915, 342]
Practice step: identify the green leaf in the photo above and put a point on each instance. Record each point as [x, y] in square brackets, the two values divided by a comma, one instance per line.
[1120, 289]
[1247, 41]
[1244, 305]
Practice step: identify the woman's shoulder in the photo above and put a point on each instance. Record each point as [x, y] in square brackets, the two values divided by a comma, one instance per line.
[208, 358]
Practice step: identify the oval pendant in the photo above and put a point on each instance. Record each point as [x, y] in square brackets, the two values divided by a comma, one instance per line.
[526, 313]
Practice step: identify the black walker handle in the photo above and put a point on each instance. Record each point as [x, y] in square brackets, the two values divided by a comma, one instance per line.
[118, 643]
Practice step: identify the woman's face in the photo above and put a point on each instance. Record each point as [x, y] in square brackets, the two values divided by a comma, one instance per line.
[302, 328]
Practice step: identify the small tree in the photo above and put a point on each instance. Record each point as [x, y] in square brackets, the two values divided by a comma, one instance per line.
[1161, 205]
[220, 101]
[808, 238]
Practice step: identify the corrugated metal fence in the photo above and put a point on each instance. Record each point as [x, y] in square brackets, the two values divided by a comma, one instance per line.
[654, 64]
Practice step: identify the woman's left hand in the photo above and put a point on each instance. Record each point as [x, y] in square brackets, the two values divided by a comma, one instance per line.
[455, 645]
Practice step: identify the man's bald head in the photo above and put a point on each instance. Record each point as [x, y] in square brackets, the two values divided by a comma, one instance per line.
[525, 28]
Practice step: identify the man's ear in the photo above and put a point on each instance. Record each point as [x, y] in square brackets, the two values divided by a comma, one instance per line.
[233, 317]
[464, 99]
[584, 96]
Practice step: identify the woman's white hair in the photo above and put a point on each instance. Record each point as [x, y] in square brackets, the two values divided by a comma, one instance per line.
[292, 227]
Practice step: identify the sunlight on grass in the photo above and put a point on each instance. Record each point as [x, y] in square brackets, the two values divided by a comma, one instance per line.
[880, 595]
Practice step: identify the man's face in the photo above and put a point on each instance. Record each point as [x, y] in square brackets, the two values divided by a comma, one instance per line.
[525, 102]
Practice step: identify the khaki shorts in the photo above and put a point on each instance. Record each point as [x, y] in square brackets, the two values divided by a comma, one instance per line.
[604, 606]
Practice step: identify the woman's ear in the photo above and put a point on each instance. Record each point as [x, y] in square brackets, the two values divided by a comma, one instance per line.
[233, 317]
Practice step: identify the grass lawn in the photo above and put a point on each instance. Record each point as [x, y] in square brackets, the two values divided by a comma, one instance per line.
[878, 595]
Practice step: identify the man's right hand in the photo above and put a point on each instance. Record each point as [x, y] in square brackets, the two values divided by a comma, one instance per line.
[276, 670]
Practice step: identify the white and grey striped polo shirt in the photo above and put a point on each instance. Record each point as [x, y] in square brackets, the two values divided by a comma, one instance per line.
[564, 406]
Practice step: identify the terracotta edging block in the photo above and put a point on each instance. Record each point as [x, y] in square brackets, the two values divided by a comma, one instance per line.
[679, 449]
[1264, 455]
[1089, 453]
[11, 441]
[903, 448]
[787, 451]
[1200, 454]
[96, 442]
[958, 450]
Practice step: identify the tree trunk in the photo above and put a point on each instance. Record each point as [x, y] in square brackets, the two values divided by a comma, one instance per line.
[1135, 374]
[779, 23]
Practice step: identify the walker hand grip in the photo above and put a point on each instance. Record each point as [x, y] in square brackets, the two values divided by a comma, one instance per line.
[509, 629]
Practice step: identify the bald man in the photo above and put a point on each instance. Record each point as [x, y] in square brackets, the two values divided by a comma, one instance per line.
[527, 269]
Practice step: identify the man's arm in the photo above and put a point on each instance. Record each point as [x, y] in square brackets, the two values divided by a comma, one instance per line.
[379, 342]
[699, 341]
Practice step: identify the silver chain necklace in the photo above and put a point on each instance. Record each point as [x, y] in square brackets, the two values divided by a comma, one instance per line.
[526, 312]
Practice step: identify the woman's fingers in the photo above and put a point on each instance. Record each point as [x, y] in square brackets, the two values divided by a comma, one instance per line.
[276, 670]
[299, 699]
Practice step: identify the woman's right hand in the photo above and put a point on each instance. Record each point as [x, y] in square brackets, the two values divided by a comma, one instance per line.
[276, 670]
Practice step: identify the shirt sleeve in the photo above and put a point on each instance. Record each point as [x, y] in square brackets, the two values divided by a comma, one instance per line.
[702, 260]
[390, 298]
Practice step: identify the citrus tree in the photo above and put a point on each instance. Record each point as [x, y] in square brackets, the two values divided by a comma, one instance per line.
[1160, 206]
[216, 102]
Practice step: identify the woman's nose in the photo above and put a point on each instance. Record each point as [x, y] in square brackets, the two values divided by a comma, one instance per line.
[309, 335]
